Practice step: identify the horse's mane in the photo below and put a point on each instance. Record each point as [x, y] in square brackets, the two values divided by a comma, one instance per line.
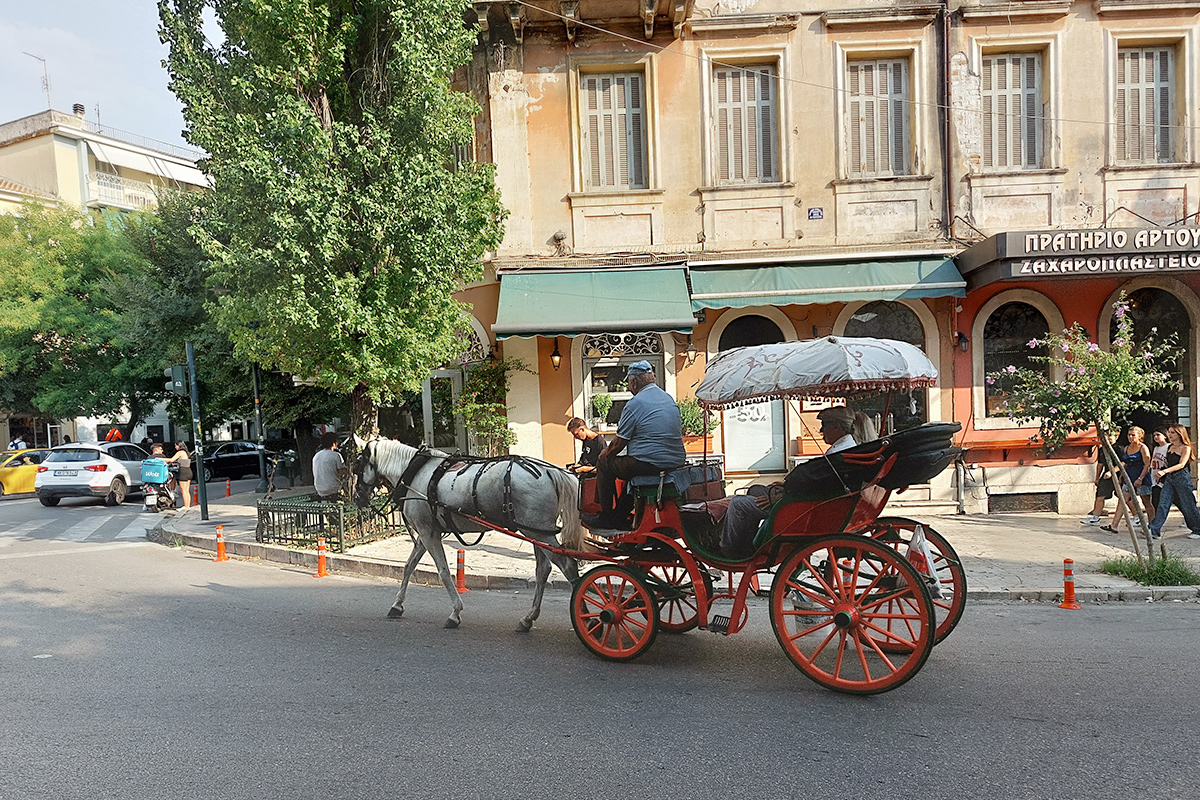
[391, 457]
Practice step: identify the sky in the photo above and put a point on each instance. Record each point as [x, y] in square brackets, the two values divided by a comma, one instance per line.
[98, 52]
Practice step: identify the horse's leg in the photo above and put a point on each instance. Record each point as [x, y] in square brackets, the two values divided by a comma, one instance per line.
[439, 557]
[541, 574]
[568, 566]
[414, 558]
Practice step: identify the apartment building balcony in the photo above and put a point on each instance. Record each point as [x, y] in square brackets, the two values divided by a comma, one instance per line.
[105, 189]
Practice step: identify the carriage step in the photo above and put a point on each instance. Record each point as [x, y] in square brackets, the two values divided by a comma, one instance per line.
[719, 624]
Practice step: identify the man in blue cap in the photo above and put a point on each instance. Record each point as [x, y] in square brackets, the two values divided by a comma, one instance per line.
[650, 433]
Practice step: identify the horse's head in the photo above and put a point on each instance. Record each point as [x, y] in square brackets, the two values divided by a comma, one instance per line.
[366, 472]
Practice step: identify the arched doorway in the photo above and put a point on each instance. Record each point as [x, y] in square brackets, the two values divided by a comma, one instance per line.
[754, 433]
[1006, 337]
[884, 319]
[1158, 313]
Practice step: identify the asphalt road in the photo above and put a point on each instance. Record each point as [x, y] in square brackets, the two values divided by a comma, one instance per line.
[138, 671]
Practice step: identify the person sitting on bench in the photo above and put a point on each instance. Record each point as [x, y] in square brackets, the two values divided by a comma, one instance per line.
[841, 428]
[650, 433]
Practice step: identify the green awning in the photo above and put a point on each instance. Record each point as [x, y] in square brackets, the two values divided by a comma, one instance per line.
[824, 282]
[611, 300]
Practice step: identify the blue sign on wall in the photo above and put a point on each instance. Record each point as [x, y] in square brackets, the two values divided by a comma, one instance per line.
[816, 213]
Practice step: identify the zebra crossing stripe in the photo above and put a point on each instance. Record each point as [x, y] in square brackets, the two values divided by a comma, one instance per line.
[81, 531]
[138, 528]
[11, 535]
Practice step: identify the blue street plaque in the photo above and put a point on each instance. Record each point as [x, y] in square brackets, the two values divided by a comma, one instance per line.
[816, 213]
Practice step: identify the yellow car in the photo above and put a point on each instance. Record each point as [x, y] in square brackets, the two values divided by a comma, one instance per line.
[18, 469]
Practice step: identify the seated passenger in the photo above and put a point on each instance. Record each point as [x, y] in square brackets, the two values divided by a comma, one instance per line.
[593, 445]
[840, 428]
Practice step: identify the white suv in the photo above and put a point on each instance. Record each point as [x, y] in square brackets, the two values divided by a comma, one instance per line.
[110, 470]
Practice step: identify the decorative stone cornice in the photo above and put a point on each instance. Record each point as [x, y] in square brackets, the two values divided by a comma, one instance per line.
[736, 23]
[1142, 6]
[1029, 9]
[922, 13]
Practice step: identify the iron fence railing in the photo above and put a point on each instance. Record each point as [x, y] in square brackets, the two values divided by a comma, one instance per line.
[302, 519]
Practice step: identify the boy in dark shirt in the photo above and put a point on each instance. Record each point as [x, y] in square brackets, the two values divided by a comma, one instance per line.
[593, 445]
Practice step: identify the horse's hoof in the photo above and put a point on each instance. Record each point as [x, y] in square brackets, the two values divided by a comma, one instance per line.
[395, 613]
[524, 626]
[451, 623]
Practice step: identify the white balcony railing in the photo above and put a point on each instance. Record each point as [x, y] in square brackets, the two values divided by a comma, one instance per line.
[113, 190]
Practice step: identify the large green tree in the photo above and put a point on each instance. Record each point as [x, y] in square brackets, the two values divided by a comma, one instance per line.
[62, 348]
[339, 225]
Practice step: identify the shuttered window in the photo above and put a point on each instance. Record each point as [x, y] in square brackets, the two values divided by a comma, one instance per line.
[1012, 111]
[614, 131]
[746, 124]
[1145, 110]
[877, 118]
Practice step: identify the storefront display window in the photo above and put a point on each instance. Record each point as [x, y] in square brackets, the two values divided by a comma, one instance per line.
[605, 359]
[1006, 337]
[883, 319]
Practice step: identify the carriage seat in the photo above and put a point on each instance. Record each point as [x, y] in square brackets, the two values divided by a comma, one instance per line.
[674, 482]
[921, 453]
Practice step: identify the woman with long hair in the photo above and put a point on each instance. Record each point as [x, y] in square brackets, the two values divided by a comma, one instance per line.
[184, 460]
[1177, 484]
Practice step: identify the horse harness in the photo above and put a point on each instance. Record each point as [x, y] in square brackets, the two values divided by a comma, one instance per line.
[442, 512]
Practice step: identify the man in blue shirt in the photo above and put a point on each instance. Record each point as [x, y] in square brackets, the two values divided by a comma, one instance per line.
[651, 434]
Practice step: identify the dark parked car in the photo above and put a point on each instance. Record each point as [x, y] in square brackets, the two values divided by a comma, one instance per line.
[231, 460]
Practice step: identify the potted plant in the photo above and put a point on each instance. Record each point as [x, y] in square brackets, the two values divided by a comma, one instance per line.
[602, 404]
[697, 426]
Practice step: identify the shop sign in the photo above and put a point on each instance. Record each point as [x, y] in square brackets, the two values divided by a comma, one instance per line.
[1103, 251]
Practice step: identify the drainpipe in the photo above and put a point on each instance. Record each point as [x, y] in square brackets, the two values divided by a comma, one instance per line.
[943, 59]
[960, 480]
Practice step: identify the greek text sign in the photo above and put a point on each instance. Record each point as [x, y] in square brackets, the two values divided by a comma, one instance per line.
[1102, 251]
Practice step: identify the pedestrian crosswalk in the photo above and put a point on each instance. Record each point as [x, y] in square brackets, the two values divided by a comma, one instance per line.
[98, 526]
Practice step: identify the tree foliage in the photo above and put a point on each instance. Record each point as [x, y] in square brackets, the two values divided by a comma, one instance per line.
[338, 228]
[63, 351]
[1086, 386]
[483, 403]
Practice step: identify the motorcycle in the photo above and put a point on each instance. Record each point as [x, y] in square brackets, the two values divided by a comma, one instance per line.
[159, 484]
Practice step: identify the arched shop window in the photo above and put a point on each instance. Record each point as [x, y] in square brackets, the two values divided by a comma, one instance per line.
[1006, 336]
[1158, 313]
[749, 330]
[605, 359]
[753, 434]
[884, 319]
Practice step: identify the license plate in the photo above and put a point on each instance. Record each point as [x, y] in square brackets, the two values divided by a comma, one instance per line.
[65, 473]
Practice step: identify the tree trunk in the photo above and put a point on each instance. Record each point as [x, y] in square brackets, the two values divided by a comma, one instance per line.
[306, 448]
[364, 414]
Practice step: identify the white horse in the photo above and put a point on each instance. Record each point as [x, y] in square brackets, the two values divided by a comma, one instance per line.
[537, 499]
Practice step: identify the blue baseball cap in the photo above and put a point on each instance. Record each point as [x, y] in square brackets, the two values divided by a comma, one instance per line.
[638, 368]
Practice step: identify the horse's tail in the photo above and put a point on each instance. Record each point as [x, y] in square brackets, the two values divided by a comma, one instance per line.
[567, 487]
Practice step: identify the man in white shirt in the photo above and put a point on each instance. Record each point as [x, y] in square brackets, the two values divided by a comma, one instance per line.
[837, 428]
[329, 470]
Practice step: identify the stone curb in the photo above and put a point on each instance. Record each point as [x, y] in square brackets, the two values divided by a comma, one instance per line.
[359, 565]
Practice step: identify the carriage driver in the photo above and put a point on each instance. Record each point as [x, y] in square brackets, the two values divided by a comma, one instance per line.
[651, 434]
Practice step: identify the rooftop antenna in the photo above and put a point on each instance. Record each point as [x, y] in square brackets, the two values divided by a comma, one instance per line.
[45, 77]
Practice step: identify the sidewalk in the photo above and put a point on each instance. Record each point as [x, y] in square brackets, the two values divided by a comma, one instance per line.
[1006, 556]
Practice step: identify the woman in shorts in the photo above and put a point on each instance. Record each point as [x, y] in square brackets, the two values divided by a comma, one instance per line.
[184, 461]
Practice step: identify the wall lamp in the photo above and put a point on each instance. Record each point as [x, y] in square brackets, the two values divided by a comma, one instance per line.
[691, 353]
[963, 341]
[556, 357]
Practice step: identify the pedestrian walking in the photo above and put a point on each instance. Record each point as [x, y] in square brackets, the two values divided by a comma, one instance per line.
[1135, 458]
[1177, 484]
[1104, 485]
[1158, 460]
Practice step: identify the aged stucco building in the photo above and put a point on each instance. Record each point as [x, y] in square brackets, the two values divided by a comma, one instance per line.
[780, 170]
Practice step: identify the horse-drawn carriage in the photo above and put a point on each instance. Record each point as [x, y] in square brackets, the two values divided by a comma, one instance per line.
[857, 601]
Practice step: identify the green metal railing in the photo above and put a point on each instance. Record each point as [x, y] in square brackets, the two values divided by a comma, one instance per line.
[302, 519]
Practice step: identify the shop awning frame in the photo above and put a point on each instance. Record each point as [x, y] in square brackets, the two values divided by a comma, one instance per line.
[825, 282]
[574, 302]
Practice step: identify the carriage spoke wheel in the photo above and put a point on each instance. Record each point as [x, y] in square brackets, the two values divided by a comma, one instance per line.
[852, 614]
[678, 607]
[614, 613]
[948, 568]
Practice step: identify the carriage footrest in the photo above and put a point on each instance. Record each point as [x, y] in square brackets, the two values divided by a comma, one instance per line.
[719, 624]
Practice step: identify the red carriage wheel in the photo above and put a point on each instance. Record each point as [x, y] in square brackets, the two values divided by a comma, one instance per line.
[614, 613]
[852, 614]
[678, 606]
[952, 578]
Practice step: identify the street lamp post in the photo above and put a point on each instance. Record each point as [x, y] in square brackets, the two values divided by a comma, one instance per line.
[262, 438]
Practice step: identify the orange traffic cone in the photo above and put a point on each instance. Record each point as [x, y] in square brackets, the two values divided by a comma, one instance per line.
[227, 488]
[195, 494]
[221, 544]
[321, 572]
[1069, 585]
[460, 582]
